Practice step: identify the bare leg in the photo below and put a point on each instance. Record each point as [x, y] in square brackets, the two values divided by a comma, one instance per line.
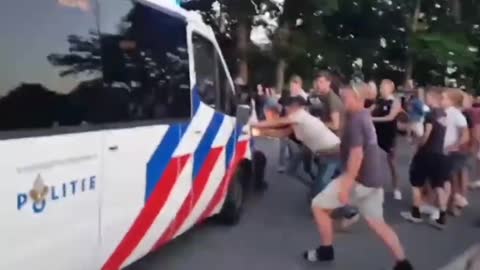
[324, 225]
[397, 194]
[443, 195]
[393, 169]
[417, 197]
[388, 236]
[464, 182]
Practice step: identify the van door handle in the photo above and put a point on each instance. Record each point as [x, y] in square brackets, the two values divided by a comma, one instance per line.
[199, 132]
[113, 148]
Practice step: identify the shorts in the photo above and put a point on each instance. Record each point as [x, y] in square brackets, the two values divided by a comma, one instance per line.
[369, 201]
[458, 161]
[387, 144]
[431, 167]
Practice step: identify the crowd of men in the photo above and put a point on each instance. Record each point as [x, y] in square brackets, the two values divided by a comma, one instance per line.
[343, 136]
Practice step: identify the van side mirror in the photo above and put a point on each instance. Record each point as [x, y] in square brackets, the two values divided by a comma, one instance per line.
[243, 114]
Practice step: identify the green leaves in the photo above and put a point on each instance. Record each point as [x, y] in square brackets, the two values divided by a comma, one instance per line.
[445, 47]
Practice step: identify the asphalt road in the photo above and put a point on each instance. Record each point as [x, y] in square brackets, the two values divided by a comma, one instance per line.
[277, 227]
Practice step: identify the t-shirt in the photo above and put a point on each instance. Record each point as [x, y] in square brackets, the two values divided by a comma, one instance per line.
[383, 107]
[325, 105]
[470, 125]
[455, 121]
[416, 110]
[437, 118]
[359, 131]
[312, 132]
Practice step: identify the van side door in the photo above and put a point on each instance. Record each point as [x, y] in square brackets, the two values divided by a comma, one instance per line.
[148, 153]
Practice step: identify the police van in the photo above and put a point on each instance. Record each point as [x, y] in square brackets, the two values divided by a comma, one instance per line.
[119, 131]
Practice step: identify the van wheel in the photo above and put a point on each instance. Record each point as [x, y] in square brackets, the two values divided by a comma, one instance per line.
[233, 206]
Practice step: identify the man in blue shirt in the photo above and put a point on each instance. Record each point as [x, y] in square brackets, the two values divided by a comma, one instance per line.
[416, 115]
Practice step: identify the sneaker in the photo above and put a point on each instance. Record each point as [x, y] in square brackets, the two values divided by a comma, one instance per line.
[455, 211]
[397, 195]
[430, 210]
[403, 265]
[407, 215]
[321, 254]
[281, 169]
[437, 224]
[475, 184]
[460, 201]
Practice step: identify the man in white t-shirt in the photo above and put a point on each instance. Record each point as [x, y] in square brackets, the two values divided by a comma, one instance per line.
[456, 137]
[306, 128]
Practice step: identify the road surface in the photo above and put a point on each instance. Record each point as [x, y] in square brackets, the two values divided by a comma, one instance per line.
[277, 227]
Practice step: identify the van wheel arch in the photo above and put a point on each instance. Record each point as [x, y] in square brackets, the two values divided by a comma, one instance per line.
[237, 192]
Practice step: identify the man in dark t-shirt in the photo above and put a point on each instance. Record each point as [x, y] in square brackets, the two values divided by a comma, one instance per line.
[430, 163]
[325, 103]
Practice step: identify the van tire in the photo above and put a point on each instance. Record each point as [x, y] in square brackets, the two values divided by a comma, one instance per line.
[233, 206]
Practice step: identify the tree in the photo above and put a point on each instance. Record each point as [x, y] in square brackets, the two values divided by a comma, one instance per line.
[83, 57]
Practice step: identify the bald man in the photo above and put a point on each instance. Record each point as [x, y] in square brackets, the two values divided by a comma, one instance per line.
[361, 182]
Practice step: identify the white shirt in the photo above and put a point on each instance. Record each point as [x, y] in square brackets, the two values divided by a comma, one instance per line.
[312, 132]
[455, 121]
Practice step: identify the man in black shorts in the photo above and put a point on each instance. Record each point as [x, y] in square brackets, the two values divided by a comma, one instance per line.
[430, 163]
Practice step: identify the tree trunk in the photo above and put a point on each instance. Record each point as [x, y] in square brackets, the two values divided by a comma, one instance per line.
[280, 74]
[410, 53]
[456, 10]
[243, 36]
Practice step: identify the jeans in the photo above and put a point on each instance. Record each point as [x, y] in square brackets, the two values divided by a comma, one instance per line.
[298, 154]
[283, 153]
[327, 170]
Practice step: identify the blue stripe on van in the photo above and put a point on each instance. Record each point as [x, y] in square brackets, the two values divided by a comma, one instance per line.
[206, 143]
[162, 156]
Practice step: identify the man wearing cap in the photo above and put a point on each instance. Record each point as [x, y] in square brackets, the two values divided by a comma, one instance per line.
[307, 129]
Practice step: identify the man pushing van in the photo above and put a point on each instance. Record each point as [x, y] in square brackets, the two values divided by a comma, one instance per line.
[316, 137]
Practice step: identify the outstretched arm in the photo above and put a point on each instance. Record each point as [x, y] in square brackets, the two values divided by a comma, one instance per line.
[277, 132]
[273, 123]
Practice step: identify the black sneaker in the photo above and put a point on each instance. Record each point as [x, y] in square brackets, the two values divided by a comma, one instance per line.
[321, 254]
[437, 224]
[407, 215]
[403, 265]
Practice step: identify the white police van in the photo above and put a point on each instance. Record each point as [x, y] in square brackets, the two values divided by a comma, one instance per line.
[119, 131]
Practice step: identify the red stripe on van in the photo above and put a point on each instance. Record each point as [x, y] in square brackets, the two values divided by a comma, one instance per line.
[147, 215]
[192, 199]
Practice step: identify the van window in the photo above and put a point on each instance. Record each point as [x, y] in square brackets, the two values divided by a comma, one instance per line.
[48, 58]
[212, 83]
[227, 98]
[78, 74]
[205, 71]
[145, 60]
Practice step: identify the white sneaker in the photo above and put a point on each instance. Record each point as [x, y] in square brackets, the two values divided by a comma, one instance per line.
[475, 184]
[281, 169]
[460, 201]
[408, 216]
[397, 195]
[430, 210]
